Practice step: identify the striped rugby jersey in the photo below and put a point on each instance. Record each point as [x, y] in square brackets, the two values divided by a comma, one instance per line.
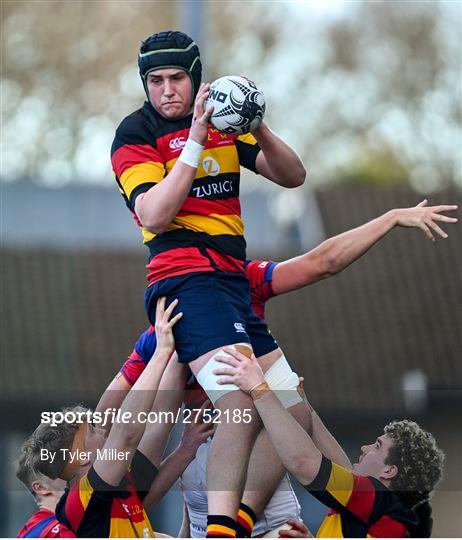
[360, 506]
[43, 524]
[92, 508]
[208, 233]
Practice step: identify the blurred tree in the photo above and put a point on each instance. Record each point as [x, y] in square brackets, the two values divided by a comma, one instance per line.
[371, 83]
[346, 83]
[69, 75]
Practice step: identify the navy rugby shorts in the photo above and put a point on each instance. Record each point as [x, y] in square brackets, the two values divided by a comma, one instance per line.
[216, 312]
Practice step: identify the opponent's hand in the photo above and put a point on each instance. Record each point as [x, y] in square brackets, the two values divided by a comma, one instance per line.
[298, 530]
[424, 217]
[201, 115]
[197, 430]
[244, 372]
[164, 325]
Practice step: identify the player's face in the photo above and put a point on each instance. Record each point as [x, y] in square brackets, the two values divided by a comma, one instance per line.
[57, 486]
[373, 456]
[170, 92]
[94, 440]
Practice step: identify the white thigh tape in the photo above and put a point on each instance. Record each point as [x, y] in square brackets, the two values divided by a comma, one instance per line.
[208, 380]
[284, 382]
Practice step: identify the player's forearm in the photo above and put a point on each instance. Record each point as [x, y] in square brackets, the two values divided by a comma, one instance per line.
[279, 162]
[166, 408]
[327, 444]
[112, 398]
[170, 470]
[158, 207]
[140, 400]
[297, 451]
[340, 251]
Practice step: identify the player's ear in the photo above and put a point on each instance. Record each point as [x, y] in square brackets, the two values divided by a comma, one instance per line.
[39, 488]
[389, 472]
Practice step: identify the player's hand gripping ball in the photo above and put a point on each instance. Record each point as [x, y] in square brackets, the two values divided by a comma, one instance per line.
[239, 106]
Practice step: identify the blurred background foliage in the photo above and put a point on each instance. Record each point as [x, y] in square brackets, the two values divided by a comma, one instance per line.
[368, 93]
[365, 91]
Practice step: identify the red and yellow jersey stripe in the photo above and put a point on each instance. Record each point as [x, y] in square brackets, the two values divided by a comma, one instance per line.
[360, 506]
[92, 508]
[145, 151]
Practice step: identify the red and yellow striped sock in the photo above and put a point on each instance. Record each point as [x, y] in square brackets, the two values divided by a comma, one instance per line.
[221, 527]
[245, 521]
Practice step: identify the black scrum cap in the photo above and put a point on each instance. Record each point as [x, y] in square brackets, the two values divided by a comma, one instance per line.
[171, 49]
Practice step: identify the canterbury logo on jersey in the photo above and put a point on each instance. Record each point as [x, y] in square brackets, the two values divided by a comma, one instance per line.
[239, 327]
[177, 143]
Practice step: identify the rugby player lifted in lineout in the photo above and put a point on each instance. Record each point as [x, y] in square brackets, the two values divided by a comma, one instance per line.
[180, 178]
[267, 279]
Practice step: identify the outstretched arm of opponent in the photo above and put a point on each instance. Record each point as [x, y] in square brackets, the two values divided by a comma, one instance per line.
[157, 207]
[276, 160]
[335, 254]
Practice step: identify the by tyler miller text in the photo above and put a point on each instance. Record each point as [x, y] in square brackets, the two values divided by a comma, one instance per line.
[104, 454]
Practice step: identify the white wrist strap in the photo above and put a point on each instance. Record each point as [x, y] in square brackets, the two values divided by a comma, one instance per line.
[191, 153]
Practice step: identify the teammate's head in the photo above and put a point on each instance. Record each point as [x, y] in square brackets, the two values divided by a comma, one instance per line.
[68, 449]
[46, 491]
[419, 461]
[176, 59]
[405, 458]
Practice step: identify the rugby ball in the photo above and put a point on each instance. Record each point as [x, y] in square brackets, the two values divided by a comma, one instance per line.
[239, 106]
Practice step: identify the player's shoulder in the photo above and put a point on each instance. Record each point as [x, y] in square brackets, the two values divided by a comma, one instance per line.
[138, 127]
[388, 505]
[59, 530]
[147, 126]
[32, 522]
[44, 524]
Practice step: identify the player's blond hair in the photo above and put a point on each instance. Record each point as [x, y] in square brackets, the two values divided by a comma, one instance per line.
[54, 439]
[418, 459]
[26, 470]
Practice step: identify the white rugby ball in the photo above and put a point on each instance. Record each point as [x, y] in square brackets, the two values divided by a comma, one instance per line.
[239, 106]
